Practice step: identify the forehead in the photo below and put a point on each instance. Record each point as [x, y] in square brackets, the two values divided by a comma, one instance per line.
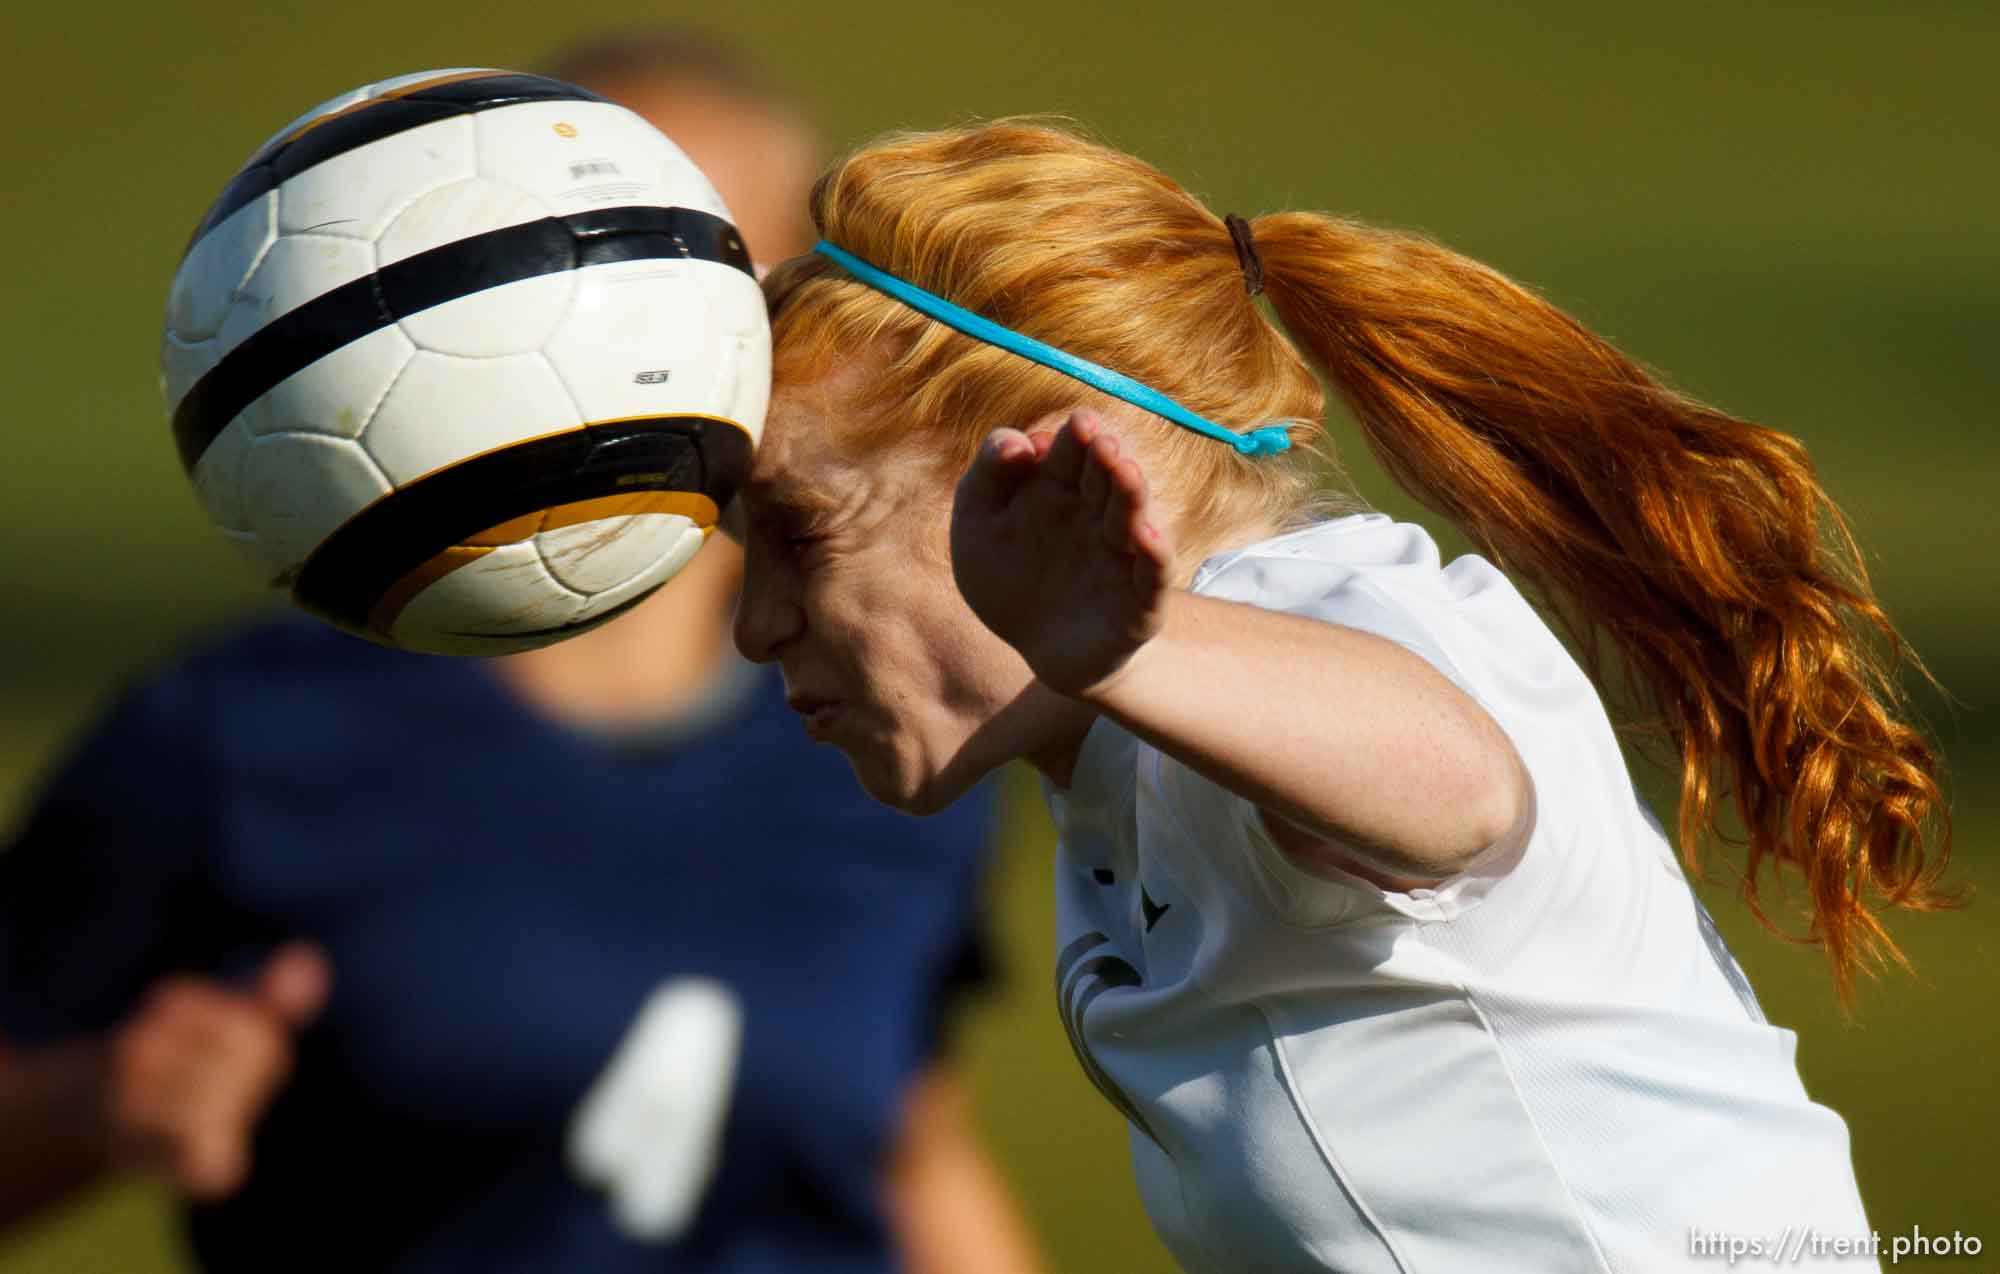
[801, 459]
[827, 447]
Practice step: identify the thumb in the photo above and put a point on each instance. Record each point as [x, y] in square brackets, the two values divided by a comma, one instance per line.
[1005, 459]
[213, 1163]
[295, 982]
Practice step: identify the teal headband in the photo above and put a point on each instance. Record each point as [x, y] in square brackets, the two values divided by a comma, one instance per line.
[1258, 442]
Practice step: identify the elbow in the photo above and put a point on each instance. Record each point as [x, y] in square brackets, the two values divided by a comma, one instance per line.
[1500, 812]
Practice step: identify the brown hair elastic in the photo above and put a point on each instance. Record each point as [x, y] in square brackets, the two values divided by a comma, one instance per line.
[1246, 254]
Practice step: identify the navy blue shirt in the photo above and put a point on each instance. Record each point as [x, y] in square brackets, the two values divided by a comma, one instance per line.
[498, 896]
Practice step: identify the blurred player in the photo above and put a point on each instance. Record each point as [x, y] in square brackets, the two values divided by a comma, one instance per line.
[576, 961]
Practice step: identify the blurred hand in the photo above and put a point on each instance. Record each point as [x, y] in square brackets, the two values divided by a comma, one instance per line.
[1053, 547]
[190, 1073]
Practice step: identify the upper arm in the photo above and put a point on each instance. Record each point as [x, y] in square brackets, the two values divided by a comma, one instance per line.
[1474, 765]
[1305, 878]
[1319, 856]
[1452, 751]
[92, 885]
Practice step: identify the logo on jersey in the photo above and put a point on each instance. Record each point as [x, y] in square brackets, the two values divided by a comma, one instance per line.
[1079, 981]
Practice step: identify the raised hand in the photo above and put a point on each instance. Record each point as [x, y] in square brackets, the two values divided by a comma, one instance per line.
[1054, 548]
[192, 1071]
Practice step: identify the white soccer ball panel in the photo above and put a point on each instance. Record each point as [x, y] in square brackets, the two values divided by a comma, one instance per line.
[205, 285]
[444, 409]
[295, 269]
[753, 383]
[675, 556]
[633, 344]
[298, 489]
[579, 155]
[244, 544]
[456, 211]
[220, 474]
[181, 365]
[740, 321]
[514, 318]
[355, 194]
[383, 88]
[336, 394]
[593, 557]
[478, 607]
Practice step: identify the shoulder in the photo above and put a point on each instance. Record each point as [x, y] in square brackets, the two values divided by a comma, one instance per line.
[1372, 573]
[249, 681]
[294, 663]
[1364, 572]
[1358, 565]
[290, 644]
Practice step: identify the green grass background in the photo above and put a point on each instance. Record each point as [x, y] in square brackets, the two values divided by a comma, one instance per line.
[1789, 206]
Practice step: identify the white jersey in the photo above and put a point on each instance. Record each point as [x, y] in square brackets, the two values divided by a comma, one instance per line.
[1546, 1064]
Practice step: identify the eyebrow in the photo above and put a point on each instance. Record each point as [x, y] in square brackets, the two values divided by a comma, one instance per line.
[803, 499]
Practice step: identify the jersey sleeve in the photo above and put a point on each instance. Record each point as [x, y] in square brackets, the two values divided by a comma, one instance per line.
[95, 888]
[1406, 600]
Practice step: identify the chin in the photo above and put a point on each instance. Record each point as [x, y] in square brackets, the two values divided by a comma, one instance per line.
[917, 794]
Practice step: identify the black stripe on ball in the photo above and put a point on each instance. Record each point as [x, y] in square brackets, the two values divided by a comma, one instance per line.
[373, 120]
[308, 333]
[355, 566]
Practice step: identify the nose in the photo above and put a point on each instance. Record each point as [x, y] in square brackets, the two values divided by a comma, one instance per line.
[768, 613]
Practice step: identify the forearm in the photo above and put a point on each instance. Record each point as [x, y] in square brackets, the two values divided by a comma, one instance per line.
[51, 1124]
[1345, 735]
[949, 1208]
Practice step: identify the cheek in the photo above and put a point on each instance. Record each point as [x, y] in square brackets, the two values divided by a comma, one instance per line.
[894, 620]
[854, 618]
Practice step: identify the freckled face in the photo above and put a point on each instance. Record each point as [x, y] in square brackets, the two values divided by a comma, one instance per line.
[848, 588]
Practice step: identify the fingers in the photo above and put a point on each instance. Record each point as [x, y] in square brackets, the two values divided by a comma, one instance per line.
[213, 1161]
[1085, 458]
[1004, 461]
[194, 1069]
[1125, 496]
[1152, 559]
[295, 983]
[1094, 484]
[1112, 486]
[1065, 459]
[1007, 445]
[1127, 523]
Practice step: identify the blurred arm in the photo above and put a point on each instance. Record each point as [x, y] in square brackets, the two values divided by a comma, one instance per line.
[178, 1087]
[52, 1124]
[948, 1206]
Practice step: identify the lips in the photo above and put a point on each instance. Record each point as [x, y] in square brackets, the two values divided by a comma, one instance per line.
[817, 715]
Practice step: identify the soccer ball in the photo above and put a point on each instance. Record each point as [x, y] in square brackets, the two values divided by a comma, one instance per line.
[466, 361]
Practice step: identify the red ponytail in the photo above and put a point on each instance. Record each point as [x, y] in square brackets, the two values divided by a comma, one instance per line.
[1700, 544]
